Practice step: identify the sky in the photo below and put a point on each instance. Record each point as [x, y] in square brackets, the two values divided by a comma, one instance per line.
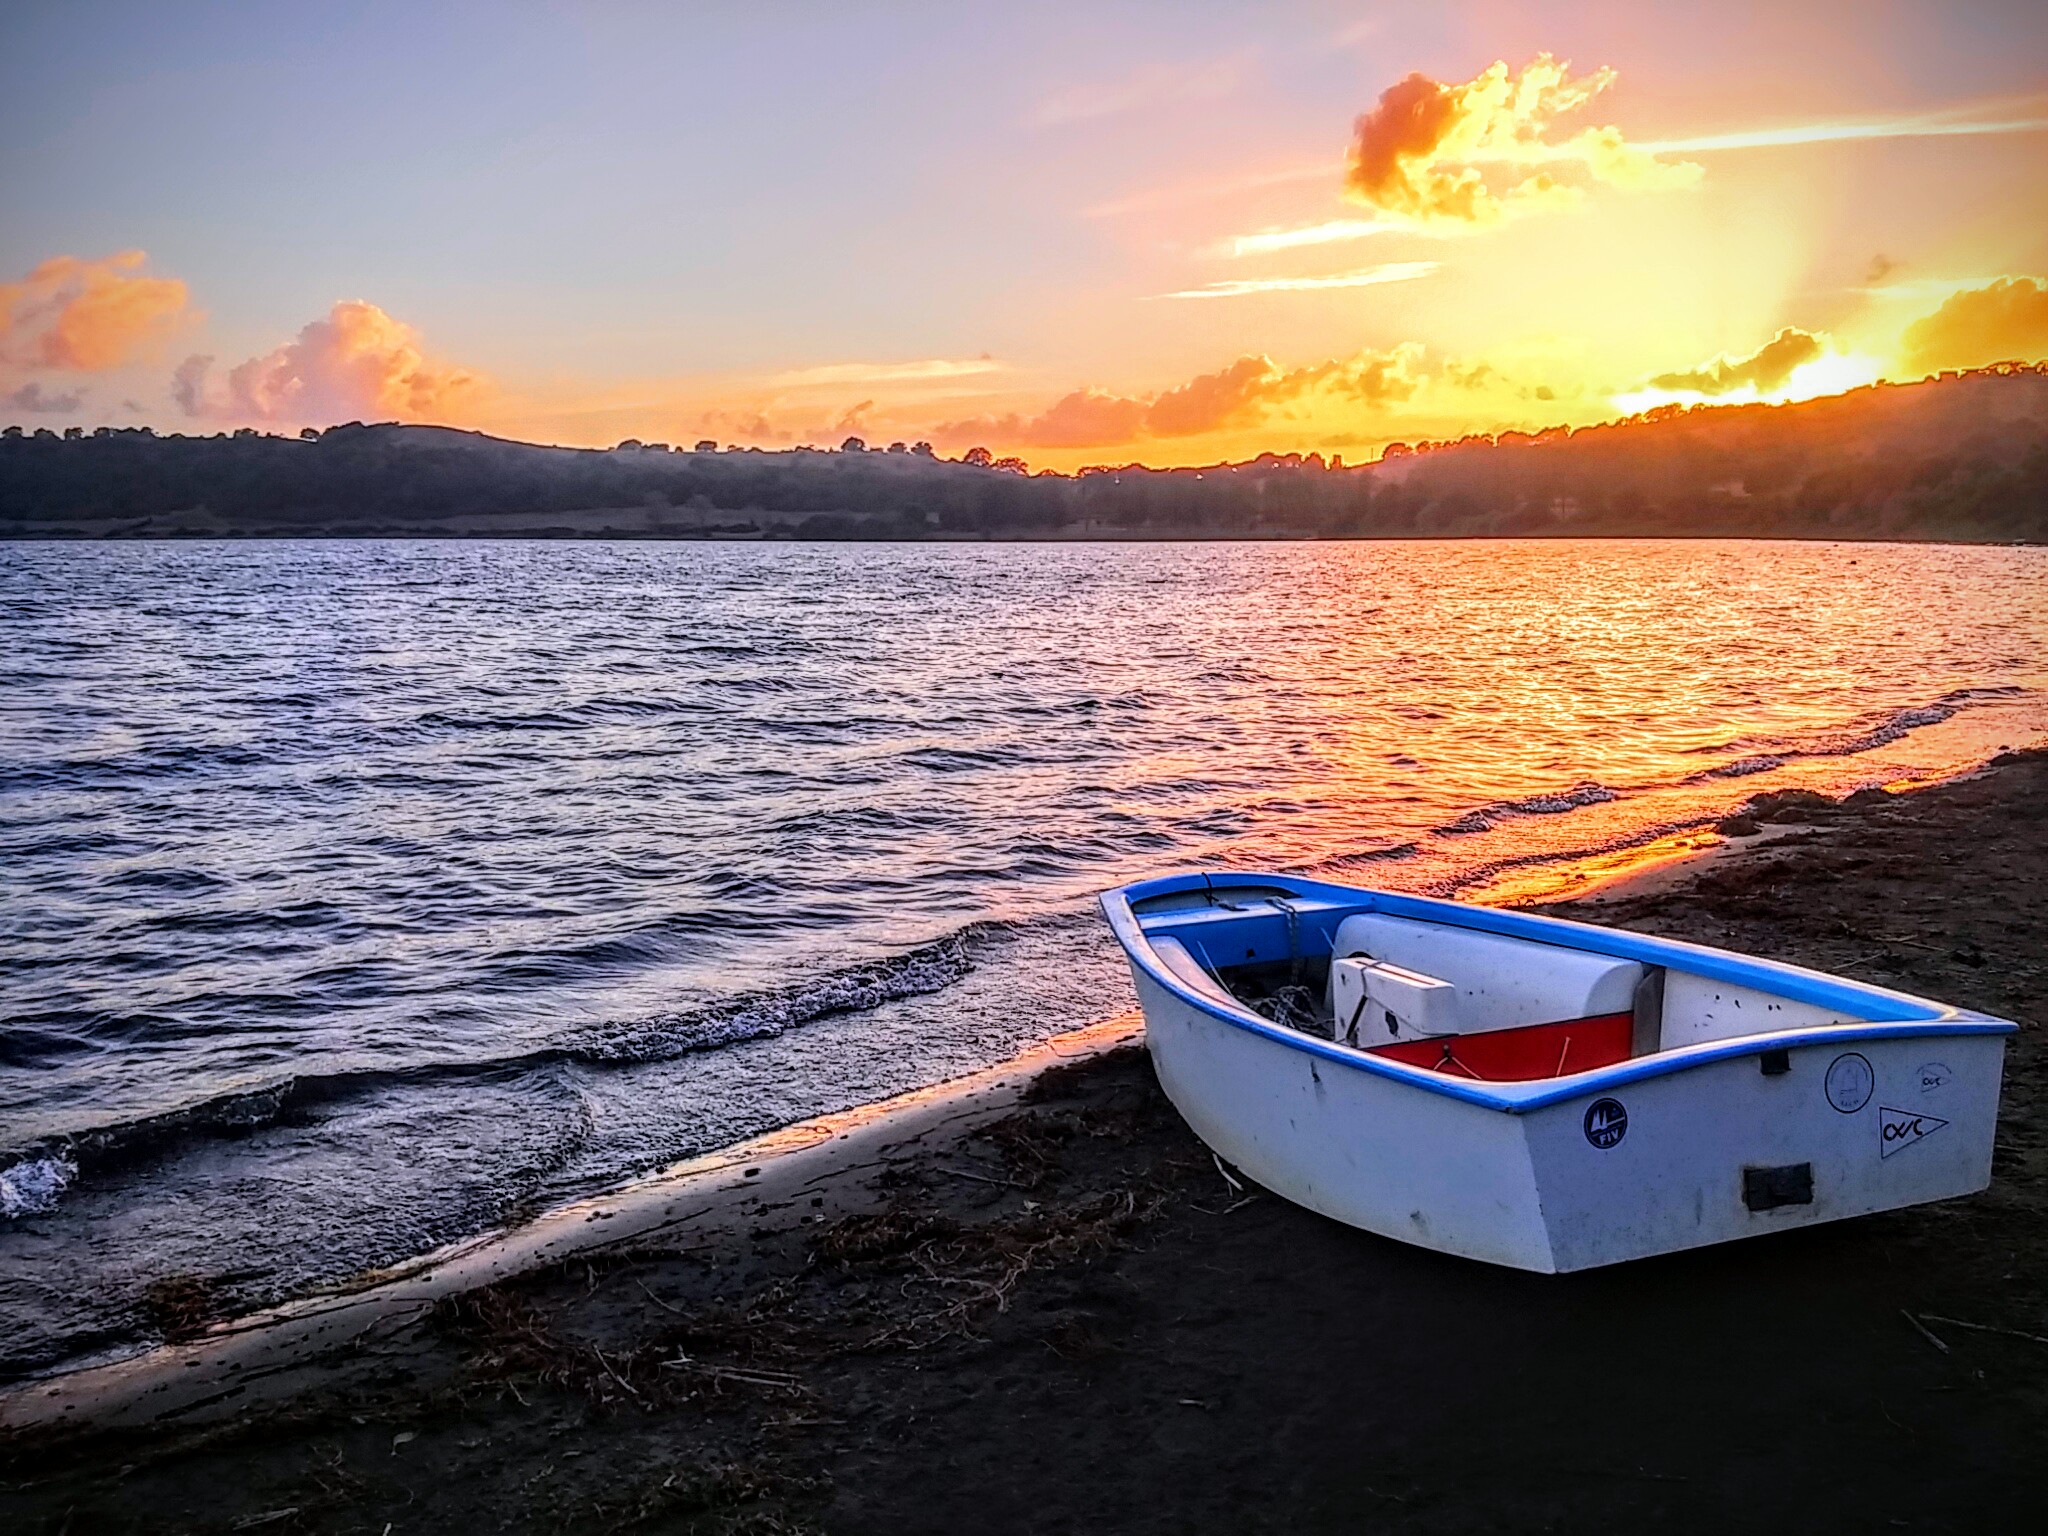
[1076, 232]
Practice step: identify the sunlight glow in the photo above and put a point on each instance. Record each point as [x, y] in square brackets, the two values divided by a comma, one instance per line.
[1826, 133]
[1365, 277]
[1834, 373]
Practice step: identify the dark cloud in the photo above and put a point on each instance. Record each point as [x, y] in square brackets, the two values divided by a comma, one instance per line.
[1765, 369]
[33, 397]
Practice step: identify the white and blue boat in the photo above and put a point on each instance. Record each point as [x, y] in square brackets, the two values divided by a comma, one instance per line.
[1538, 1093]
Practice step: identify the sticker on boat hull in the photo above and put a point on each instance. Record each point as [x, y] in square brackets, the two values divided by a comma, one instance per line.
[1934, 1075]
[1606, 1123]
[1898, 1129]
[1850, 1082]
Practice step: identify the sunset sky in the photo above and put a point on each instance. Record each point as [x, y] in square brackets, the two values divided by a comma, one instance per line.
[1081, 233]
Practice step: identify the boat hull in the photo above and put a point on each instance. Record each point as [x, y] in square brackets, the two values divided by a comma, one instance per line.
[1725, 1140]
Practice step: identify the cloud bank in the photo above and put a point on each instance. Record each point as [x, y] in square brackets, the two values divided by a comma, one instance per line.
[2003, 322]
[1417, 154]
[357, 364]
[88, 316]
[1239, 395]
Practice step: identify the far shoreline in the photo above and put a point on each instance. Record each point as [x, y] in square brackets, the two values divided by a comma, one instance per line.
[1877, 463]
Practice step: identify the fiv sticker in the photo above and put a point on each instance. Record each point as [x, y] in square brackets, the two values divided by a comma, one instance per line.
[1606, 1123]
[1898, 1129]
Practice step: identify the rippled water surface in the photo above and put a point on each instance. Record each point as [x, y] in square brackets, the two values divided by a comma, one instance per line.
[358, 896]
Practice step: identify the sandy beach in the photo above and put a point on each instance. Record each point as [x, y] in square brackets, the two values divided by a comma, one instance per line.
[1034, 1302]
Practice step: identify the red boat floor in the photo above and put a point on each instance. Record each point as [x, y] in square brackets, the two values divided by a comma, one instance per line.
[1518, 1055]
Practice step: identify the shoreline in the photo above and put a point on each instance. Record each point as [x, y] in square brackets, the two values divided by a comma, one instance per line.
[710, 1196]
[1030, 1299]
[150, 1382]
[1659, 854]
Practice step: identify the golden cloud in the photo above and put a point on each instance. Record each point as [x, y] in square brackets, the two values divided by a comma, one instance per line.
[1365, 277]
[89, 316]
[1239, 395]
[2005, 321]
[924, 371]
[1765, 370]
[356, 364]
[1418, 153]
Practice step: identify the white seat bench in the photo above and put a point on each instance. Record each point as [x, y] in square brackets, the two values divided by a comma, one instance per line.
[1439, 980]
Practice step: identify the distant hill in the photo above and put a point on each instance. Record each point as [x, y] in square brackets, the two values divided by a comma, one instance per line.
[1961, 457]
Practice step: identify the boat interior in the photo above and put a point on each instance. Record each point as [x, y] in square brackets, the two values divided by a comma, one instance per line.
[1409, 985]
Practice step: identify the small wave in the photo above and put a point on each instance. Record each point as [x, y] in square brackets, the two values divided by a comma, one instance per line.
[34, 1185]
[913, 974]
[852, 989]
[1368, 856]
[1450, 885]
[1865, 734]
[957, 759]
[1741, 768]
[146, 764]
[1488, 817]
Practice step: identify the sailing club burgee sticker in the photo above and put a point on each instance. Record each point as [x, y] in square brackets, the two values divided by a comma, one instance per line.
[1898, 1129]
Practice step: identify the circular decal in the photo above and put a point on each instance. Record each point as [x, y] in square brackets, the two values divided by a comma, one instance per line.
[1606, 1123]
[1850, 1082]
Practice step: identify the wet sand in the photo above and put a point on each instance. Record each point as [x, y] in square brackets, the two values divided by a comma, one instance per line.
[1038, 1304]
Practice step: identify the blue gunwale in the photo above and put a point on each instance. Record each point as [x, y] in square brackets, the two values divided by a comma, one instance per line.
[1887, 1015]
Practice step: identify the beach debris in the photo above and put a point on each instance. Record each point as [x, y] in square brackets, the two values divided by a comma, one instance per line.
[615, 1376]
[754, 1376]
[2010, 1333]
[672, 1311]
[1236, 1187]
[1924, 1331]
[978, 1178]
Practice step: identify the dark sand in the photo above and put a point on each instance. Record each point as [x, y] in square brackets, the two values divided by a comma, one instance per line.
[1066, 1318]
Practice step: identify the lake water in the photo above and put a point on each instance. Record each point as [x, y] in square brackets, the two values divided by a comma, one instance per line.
[359, 896]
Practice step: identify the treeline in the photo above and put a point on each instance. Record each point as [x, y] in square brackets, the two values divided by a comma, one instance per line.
[1959, 457]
